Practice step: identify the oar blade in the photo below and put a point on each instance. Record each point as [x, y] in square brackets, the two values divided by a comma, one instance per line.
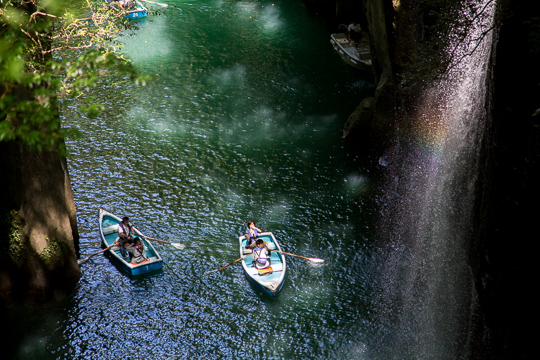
[178, 246]
[82, 261]
[316, 260]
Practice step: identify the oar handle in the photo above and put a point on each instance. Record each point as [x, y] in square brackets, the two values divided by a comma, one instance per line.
[99, 252]
[90, 256]
[176, 245]
[286, 253]
[229, 264]
[150, 238]
[235, 261]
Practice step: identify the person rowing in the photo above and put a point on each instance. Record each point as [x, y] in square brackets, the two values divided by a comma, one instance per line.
[261, 255]
[125, 4]
[125, 235]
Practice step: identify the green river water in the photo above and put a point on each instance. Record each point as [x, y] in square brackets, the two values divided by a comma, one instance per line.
[243, 121]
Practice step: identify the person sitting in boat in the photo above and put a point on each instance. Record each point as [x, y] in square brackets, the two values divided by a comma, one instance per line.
[252, 234]
[354, 31]
[125, 235]
[137, 252]
[261, 255]
[125, 4]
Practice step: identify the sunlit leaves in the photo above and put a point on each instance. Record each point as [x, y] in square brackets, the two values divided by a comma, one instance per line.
[14, 69]
[51, 48]
[14, 17]
[55, 7]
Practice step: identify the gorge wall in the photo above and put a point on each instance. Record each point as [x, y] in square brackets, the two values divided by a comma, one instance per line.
[507, 190]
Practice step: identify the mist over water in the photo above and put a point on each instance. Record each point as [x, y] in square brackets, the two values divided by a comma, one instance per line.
[244, 120]
[431, 307]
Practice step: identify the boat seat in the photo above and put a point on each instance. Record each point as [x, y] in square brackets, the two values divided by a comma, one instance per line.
[270, 245]
[275, 267]
[110, 230]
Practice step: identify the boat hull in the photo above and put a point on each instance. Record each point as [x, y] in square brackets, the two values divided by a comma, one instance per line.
[107, 228]
[356, 56]
[139, 13]
[270, 284]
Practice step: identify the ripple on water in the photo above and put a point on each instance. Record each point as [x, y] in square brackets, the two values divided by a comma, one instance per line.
[252, 132]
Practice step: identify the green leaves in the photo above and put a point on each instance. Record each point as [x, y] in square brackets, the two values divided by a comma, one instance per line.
[13, 69]
[11, 61]
[14, 17]
[47, 51]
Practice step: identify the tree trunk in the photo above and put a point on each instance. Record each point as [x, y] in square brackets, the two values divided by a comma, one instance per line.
[38, 228]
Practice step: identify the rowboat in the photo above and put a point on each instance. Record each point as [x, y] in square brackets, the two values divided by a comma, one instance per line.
[357, 56]
[108, 230]
[270, 282]
[139, 12]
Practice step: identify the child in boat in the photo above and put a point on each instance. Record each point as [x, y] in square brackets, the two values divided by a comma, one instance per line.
[125, 4]
[261, 255]
[137, 252]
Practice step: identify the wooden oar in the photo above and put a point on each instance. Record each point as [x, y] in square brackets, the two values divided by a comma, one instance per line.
[229, 264]
[81, 261]
[317, 260]
[176, 245]
[155, 3]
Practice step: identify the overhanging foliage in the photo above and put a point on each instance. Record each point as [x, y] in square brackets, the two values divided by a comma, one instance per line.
[50, 48]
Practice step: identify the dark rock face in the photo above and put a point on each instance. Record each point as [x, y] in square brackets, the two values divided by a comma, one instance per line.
[507, 267]
[360, 119]
[508, 204]
[38, 231]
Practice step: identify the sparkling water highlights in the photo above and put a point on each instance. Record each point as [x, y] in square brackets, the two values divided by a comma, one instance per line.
[431, 307]
[243, 120]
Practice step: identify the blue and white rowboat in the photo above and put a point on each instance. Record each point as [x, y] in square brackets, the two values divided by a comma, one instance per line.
[269, 283]
[138, 13]
[108, 230]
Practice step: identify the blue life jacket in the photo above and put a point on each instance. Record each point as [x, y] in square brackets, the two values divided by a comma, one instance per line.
[255, 236]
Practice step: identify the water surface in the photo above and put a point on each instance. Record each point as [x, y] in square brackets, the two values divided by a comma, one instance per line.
[243, 121]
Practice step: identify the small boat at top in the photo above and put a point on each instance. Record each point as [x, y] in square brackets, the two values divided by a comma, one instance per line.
[357, 55]
[108, 230]
[270, 281]
[139, 12]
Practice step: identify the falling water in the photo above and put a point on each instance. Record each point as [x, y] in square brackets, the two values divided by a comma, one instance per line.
[430, 307]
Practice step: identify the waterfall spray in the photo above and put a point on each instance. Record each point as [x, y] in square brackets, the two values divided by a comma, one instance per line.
[428, 302]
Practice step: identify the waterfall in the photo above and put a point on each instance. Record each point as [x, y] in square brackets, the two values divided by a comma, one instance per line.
[428, 305]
